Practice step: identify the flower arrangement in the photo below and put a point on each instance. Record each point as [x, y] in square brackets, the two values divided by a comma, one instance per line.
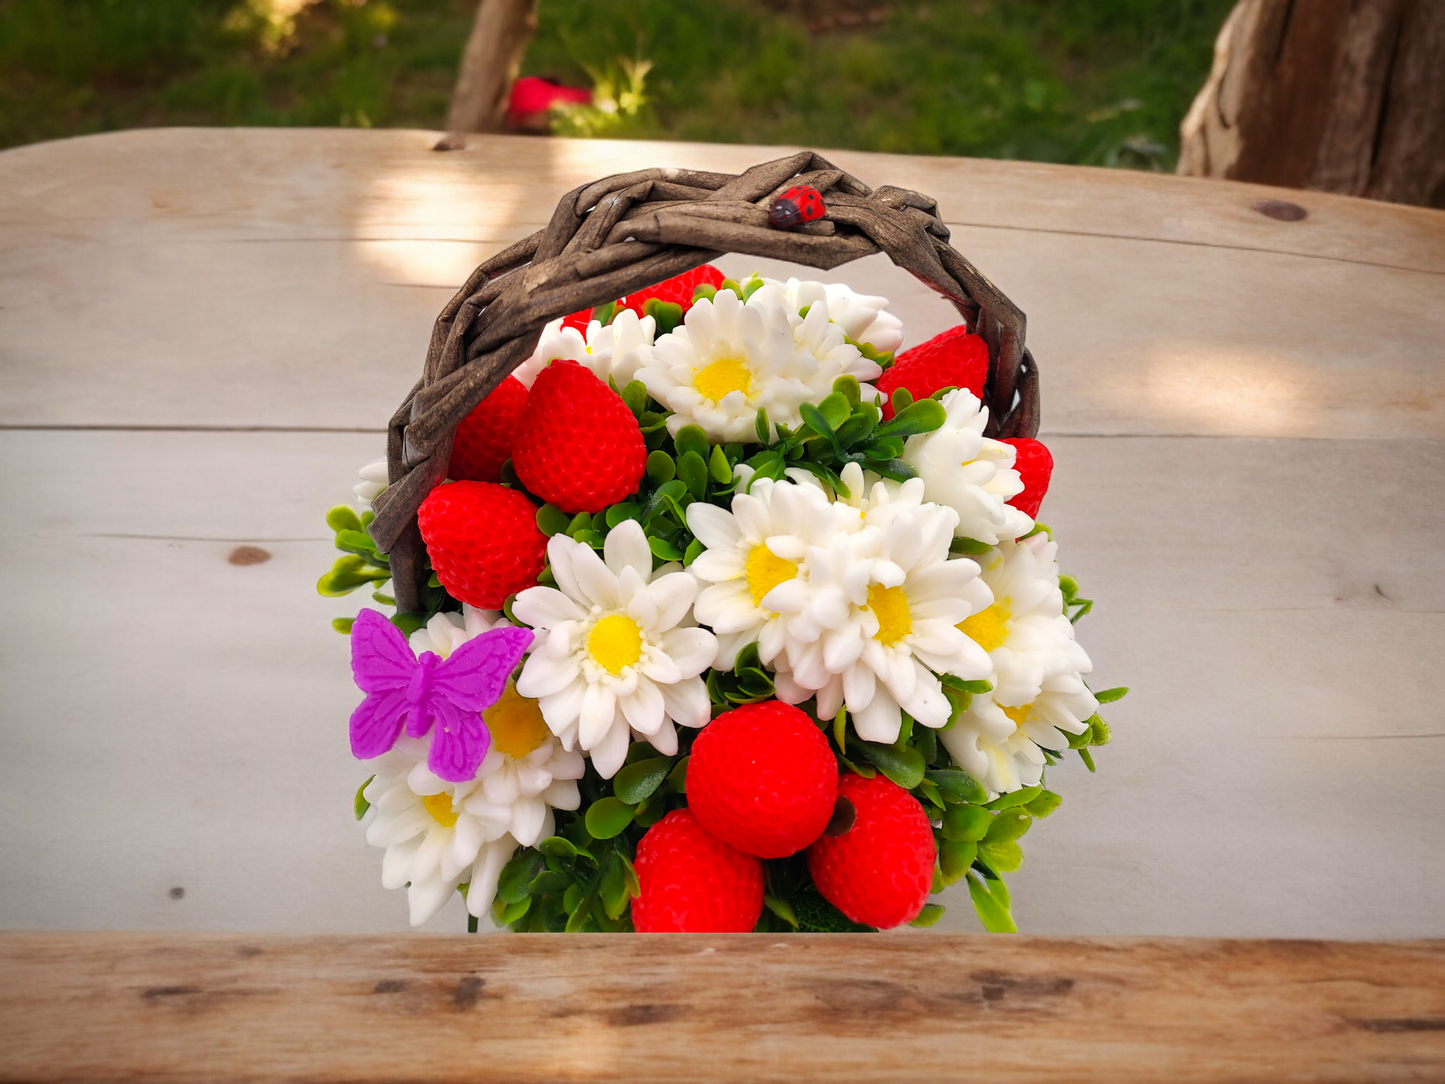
[735, 620]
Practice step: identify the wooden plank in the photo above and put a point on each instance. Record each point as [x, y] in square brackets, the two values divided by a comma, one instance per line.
[289, 279]
[1278, 606]
[695, 1007]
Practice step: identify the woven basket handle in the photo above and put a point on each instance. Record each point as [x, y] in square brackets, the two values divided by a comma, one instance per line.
[620, 234]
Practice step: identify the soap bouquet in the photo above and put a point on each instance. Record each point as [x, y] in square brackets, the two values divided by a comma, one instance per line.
[732, 618]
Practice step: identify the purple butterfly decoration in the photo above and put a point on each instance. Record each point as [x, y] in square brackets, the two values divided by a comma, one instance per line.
[403, 689]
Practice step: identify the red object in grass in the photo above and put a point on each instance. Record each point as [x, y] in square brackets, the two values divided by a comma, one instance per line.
[532, 99]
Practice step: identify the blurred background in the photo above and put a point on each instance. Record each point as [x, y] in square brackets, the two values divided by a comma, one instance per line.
[1096, 82]
[1343, 96]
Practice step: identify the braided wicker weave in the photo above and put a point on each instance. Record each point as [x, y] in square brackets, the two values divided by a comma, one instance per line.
[632, 230]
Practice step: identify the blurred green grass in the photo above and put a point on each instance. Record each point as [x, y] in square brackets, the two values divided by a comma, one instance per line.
[1101, 82]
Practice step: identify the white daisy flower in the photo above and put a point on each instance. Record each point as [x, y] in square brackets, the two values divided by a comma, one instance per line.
[726, 360]
[901, 630]
[970, 473]
[1003, 746]
[618, 654]
[761, 577]
[432, 843]
[1024, 630]
[374, 480]
[439, 834]
[862, 317]
[445, 632]
[616, 350]
[526, 773]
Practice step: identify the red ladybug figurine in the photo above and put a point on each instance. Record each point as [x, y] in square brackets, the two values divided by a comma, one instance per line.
[797, 205]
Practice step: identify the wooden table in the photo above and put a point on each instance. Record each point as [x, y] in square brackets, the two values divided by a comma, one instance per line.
[202, 334]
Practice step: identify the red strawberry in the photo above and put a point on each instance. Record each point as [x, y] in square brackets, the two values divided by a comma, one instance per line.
[484, 437]
[954, 359]
[578, 320]
[678, 290]
[577, 444]
[483, 541]
[1035, 466]
[693, 883]
[880, 870]
[763, 779]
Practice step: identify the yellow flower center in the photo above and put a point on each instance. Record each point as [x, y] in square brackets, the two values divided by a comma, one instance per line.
[615, 643]
[890, 606]
[987, 628]
[516, 723]
[722, 377]
[440, 808]
[765, 571]
[1018, 715]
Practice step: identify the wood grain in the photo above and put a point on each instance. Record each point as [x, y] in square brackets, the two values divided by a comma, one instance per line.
[713, 1008]
[242, 262]
[177, 720]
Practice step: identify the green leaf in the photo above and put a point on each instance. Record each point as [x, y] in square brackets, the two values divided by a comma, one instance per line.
[817, 915]
[660, 467]
[718, 466]
[692, 469]
[613, 888]
[930, 914]
[358, 542]
[1017, 797]
[752, 286]
[1044, 804]
[1004, 856]
[955, 857]
[517, 874]
[836, 408]
[782, 908]
[607, 817]
[558, 847]
[637, 782]
[968, 547]
[1099, 732]
[549, 883]
[360, 803]
[705, 291]
[635, 396]
[603, 314]
[504, 914]
[349, 573]
[693, 551]
[1010, 824]
[849, 388]
[904, 766]
[818, 423]
[924, 416]
[668, 314]
[966, 823]
[677, 778]
[1087, 758]
[342, 518]
[992, 913]
[408, 621]
[960, 784]
[551, 520]
[760, 425]
[840, 730]
[664, 549]
[343, 624]
[691, 438]
[1107, 696]
[900, 401]
[619, 514]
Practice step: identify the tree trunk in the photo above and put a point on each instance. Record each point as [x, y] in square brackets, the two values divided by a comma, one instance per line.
[498, 41]
[1336, 95]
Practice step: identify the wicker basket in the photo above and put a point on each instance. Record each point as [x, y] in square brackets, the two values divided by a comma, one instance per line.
[633, 230]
